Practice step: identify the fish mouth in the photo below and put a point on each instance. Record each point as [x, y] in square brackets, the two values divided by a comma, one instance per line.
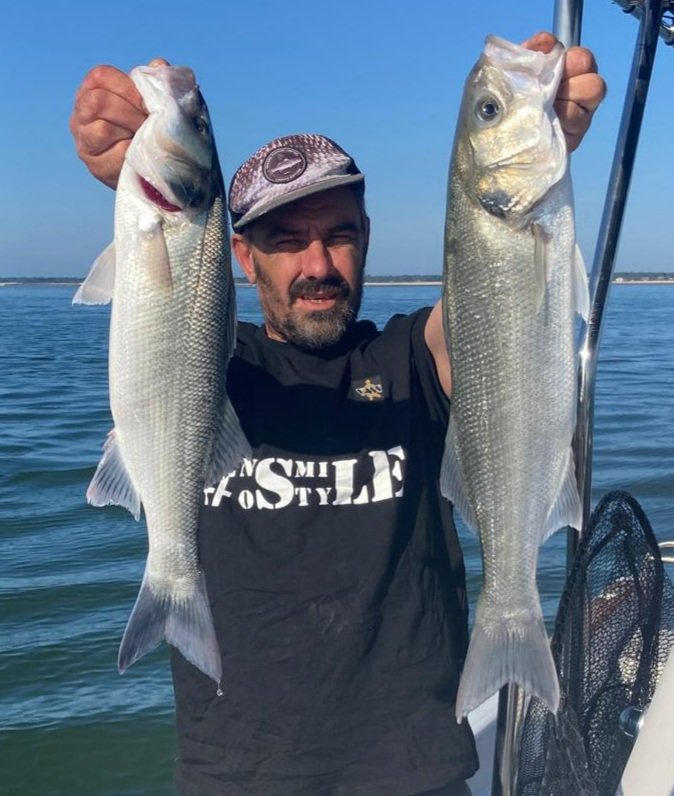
[157, 198]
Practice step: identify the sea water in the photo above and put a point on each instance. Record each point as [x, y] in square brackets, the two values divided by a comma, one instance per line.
[69, 573]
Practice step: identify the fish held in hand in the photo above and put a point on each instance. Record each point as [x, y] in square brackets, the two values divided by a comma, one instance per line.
[172, 332]
[513, 283]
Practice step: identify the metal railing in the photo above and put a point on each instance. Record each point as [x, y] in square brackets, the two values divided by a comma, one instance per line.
[667, 558]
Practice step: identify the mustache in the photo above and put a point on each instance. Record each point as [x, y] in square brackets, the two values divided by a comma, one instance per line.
[307, 288]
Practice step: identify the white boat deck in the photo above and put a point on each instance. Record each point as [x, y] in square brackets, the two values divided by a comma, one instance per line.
[483, 722]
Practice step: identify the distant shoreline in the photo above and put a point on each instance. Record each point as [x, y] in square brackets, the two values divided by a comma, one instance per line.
[619, 280]
[377, 282]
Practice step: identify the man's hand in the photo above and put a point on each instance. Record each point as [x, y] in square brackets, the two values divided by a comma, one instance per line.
[108, 111]
[580, 91]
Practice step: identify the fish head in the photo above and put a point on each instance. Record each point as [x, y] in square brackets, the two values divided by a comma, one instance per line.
[173, 153]
[510, 144]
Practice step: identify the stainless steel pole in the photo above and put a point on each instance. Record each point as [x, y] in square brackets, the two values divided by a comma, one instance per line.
[568, 21]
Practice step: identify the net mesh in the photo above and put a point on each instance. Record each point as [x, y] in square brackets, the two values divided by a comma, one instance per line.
[612, 636]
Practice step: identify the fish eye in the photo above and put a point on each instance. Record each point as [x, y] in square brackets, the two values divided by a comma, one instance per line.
[200, 125]
[487, 109]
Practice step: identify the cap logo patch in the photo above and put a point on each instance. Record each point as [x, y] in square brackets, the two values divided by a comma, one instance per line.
[284, 164]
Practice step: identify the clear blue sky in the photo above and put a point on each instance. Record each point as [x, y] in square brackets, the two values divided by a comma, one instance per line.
[382, 78]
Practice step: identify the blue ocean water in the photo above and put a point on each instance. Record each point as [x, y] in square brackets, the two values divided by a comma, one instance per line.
[69, 573]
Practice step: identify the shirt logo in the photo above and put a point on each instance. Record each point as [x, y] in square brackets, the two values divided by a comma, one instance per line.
[370, 389]
[276, 482]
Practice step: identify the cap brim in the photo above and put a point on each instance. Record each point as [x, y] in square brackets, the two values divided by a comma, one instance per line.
[292, 196]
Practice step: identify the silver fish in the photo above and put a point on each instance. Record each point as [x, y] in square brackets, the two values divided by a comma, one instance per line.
[513, 282]
[172, 332]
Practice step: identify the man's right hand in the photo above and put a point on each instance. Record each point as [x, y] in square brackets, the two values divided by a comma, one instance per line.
[108, 111]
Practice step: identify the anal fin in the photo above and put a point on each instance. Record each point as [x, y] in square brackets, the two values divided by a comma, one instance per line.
[451, 479]
[567, 509]
[230, 447]
[111, 484]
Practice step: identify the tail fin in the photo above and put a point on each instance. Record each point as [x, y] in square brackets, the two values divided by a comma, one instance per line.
[184, 621]
[509, 653]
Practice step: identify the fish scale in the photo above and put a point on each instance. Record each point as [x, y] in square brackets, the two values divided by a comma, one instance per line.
[512, 284]
[172, 332]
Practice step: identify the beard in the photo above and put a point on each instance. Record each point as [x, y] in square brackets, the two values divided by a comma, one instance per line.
[314, 330]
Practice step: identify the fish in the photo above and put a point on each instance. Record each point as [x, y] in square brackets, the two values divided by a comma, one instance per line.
[514, 282]
[172, 331]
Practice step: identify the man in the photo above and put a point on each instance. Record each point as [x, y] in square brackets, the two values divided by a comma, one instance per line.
[332, 563]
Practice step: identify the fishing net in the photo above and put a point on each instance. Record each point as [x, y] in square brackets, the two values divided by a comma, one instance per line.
[612, 637]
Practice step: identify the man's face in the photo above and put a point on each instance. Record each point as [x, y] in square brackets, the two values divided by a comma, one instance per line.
[307, 259]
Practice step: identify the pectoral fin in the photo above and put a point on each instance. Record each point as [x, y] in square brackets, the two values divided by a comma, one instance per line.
[155, 252]
[99, 285]
[541, 265]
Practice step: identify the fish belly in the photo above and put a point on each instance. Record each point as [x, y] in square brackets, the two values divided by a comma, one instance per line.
[508, 463]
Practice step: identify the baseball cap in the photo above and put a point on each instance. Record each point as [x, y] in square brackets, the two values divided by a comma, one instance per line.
[287, 169]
